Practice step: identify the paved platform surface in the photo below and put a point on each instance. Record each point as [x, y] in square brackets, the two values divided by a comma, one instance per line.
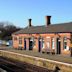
[61, 58]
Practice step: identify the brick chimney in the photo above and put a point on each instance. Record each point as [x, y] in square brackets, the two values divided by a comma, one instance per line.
[48, 20]
[29, 22]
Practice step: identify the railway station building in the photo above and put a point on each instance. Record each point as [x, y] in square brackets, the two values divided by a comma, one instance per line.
[54, 38]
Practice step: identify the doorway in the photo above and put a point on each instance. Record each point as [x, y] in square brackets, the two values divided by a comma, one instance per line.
[58, 46]
[24, 44]
[40, 44]
[30, 44]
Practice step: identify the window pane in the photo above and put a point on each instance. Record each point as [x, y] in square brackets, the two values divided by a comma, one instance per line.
[20, 40]
[52, 43]
[43, 43]
[65, 42]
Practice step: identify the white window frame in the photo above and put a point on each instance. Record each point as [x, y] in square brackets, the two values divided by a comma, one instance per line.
[20, 39]
[65, 41]
[53, 43]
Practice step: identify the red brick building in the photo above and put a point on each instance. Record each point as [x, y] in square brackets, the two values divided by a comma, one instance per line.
[47, 38]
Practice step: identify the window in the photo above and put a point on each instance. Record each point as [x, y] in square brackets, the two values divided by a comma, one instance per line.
[33, 41]
[65, 43]
[20, 40]
[53, 43]
[43, 43]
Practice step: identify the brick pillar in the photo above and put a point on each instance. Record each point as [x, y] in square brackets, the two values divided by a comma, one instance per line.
[27, 44]
[61, 45]
[22, 43]
[55, 45]
[36, 45]
[45, 41]
[50, 44]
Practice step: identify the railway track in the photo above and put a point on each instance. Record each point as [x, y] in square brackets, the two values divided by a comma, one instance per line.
[15, 66]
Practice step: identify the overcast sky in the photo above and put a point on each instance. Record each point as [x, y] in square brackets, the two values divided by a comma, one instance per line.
[19, 11]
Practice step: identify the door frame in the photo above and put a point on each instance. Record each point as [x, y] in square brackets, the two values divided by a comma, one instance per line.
[31, 43]
[39, 44]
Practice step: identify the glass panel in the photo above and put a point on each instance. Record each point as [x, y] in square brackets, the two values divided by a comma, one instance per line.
[65, 42]
[20, 40]
[52, 43]
[43, 43]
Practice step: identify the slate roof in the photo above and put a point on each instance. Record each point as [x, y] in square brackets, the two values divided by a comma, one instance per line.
[52, 28]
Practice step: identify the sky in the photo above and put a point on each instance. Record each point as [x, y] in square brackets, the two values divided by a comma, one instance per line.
[19, 11]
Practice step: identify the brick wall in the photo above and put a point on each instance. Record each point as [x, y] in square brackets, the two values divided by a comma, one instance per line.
[46, 37]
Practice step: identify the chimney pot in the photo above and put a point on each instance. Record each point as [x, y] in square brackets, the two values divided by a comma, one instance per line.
[48, 20]
[29, 22]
